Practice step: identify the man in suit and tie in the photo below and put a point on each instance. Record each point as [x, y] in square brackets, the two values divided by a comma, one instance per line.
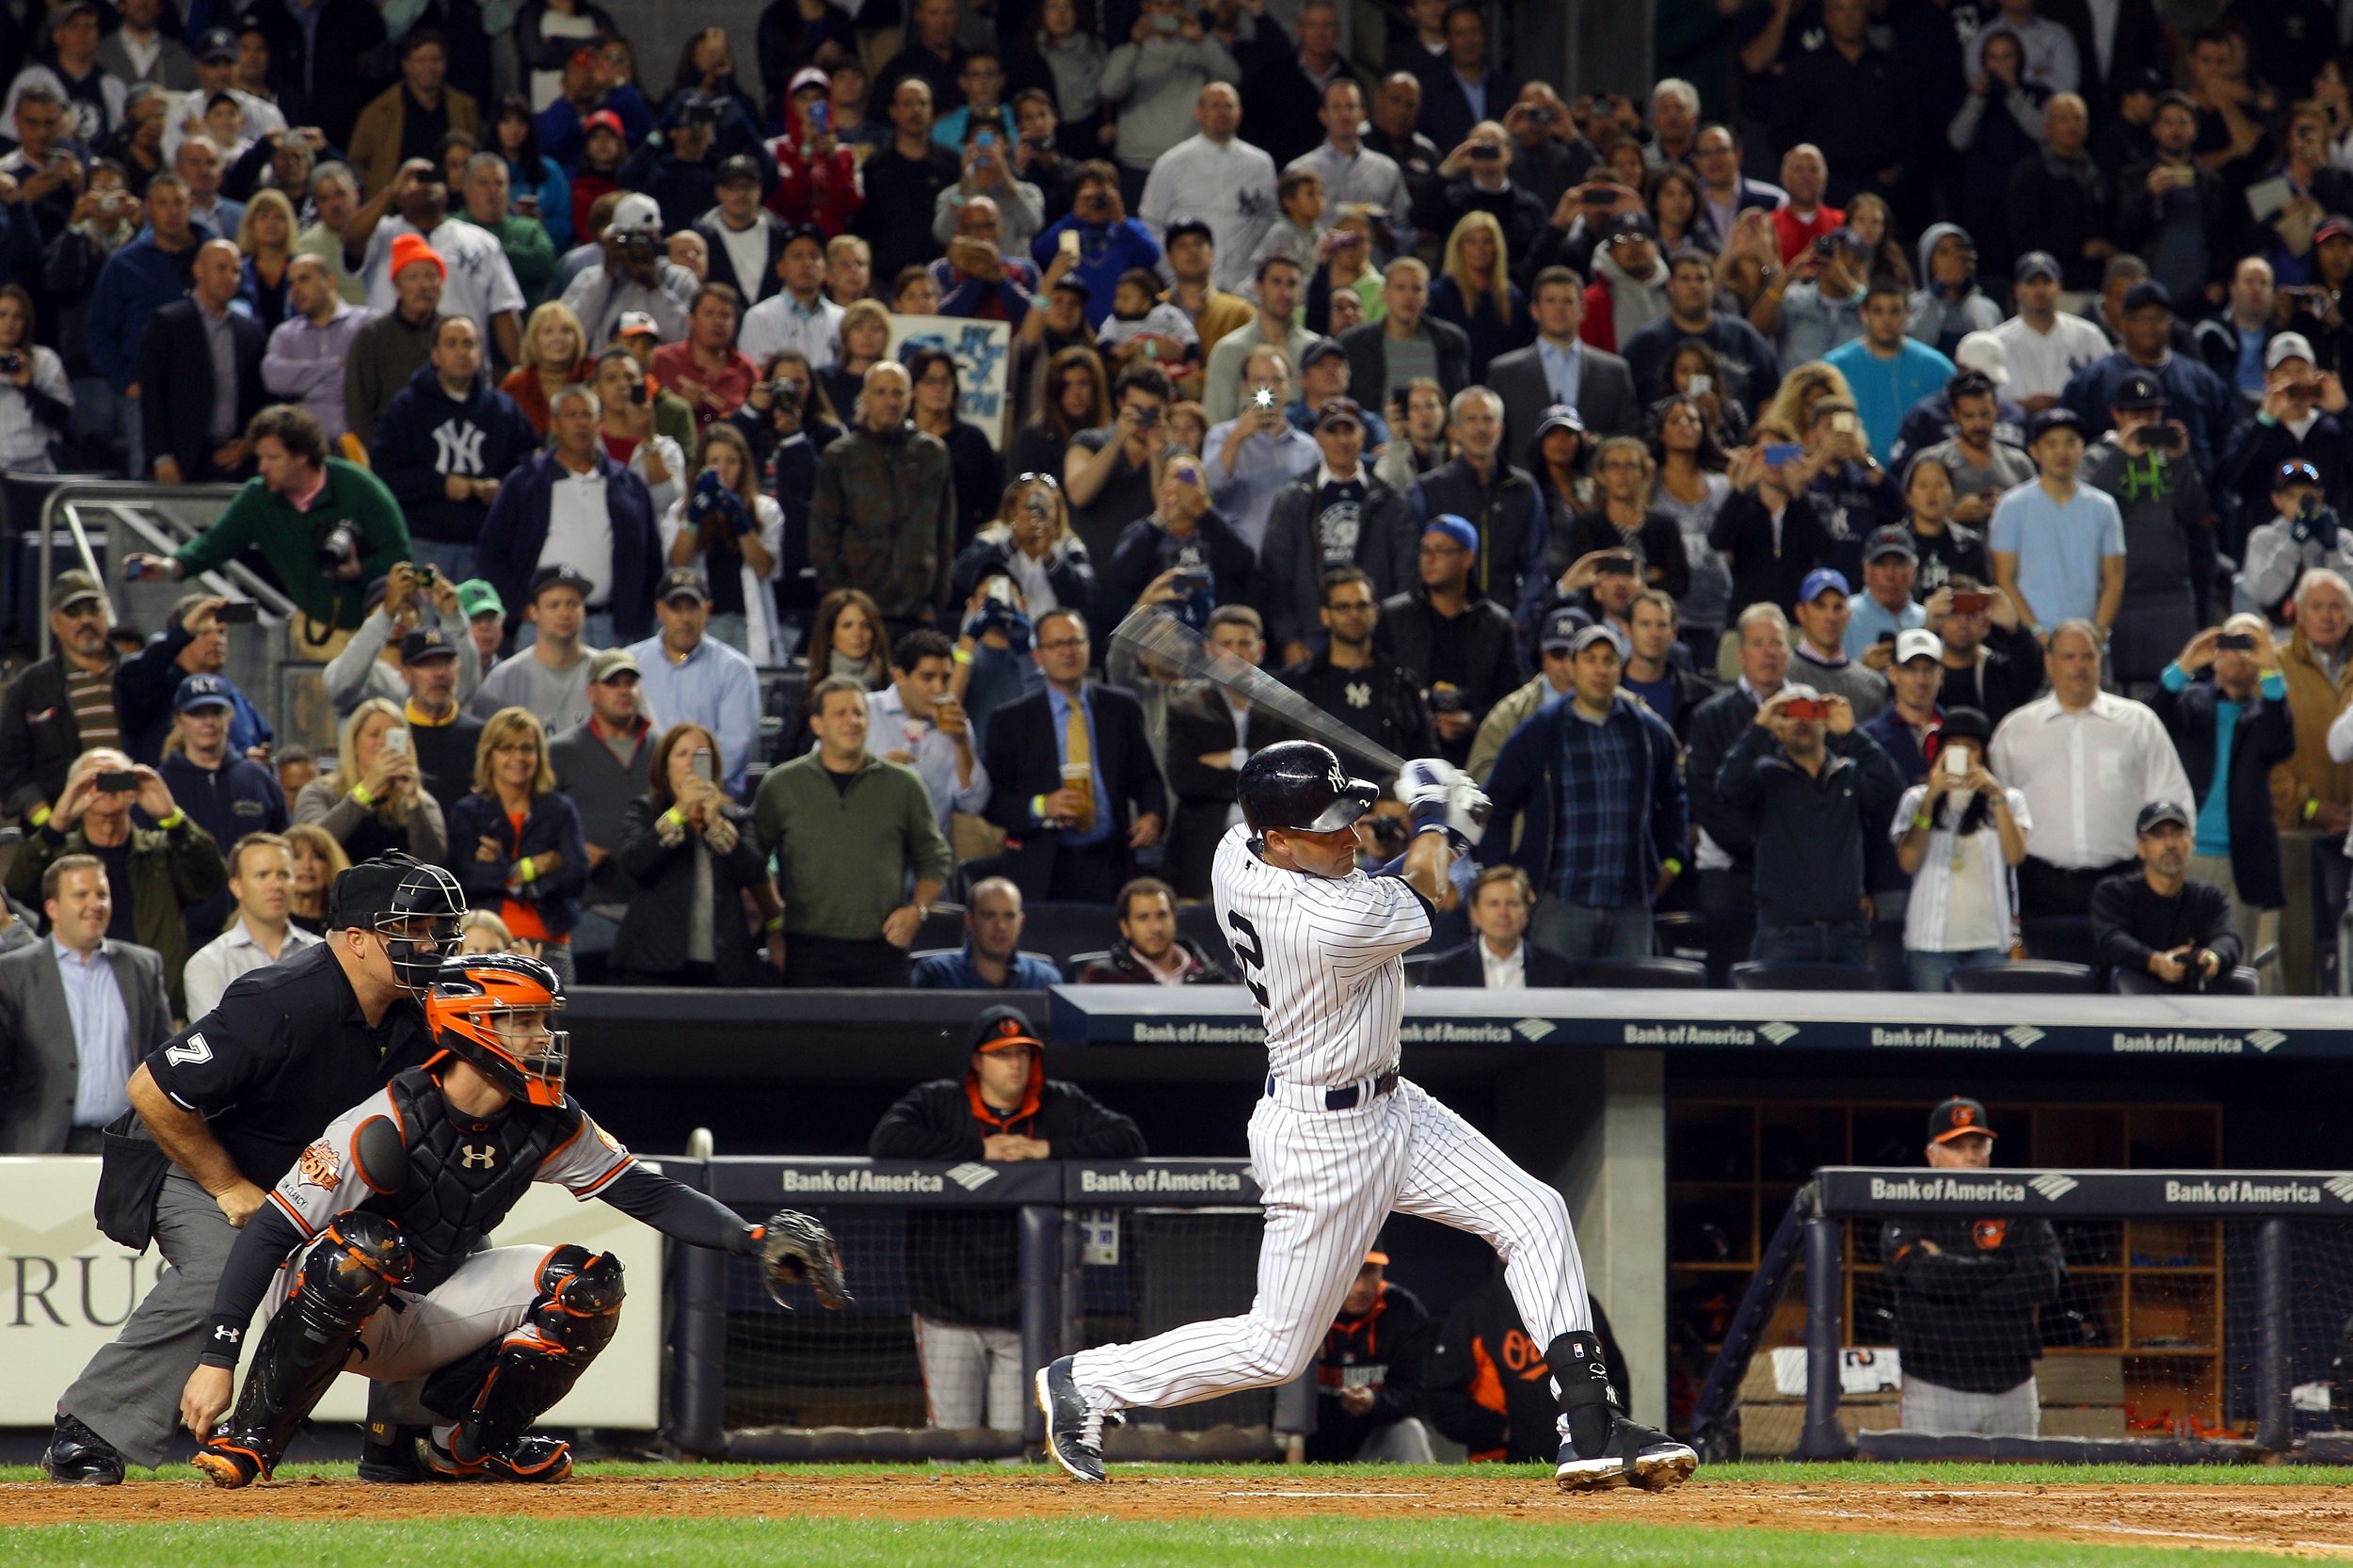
[1211, 733]
[201, 375]
[1071, 835]
[1558, 368]
[1499, 958]
[77, 1013]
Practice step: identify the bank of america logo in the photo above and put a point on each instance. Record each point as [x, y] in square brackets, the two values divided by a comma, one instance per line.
[2340, 1188]
[2021, 1036]
[1780, 1034]
[2054, 1186]
[2266, 1039]
[1531, 1029]
[971, 1176]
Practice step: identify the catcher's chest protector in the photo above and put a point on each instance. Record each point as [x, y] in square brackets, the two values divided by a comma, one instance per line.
[463, 1175]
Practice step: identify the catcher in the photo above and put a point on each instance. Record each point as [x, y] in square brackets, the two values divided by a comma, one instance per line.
[386, 1208]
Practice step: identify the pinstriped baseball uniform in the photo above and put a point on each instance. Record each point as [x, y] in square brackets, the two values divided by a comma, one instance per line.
[1323, 958]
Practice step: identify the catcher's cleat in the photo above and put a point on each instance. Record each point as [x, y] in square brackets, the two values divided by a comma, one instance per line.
[387, 1457]
[227, 1465]
[1074, 1433]
[1633, 1456]
[530, 1459]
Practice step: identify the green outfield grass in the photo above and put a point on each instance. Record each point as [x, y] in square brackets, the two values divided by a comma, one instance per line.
[766, 1542]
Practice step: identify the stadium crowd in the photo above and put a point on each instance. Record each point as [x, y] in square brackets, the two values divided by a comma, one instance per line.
[1877, 508]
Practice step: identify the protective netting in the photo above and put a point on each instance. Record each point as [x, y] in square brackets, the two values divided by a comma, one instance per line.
[2150, 1333]
[954, 1274]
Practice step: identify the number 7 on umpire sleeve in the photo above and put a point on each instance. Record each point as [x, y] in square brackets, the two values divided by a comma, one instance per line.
[1252, 954]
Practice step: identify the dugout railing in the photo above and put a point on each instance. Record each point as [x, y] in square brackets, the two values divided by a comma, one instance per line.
[2201, 1317]
[1101, 1250]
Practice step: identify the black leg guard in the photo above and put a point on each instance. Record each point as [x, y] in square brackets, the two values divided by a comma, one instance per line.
[1580, 1381]
[499, 1390]
[344, 1278]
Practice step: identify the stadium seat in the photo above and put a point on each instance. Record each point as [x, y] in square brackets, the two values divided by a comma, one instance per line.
[1059, 930]
[2241, 982]
[1716, 942]
[1417, 968]
[1197, 922]
[1801, 977]
[1655, 974]
[942, 927]
[2047, 976]
[1076, 964]
[919, 954]
[2065, 938]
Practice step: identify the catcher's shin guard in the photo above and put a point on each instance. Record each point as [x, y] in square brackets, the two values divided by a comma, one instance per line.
[499, 1390]
[344, 1278]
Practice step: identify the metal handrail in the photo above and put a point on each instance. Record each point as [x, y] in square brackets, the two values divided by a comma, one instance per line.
[118, 499]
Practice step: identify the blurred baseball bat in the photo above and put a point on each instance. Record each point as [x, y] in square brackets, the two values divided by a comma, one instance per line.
[1154, 633]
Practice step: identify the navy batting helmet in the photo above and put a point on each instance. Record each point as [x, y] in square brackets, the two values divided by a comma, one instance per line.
[1301, 786]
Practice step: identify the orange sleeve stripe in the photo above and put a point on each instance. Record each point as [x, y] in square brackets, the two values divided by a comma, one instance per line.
[590, 1191]
[300, 1224]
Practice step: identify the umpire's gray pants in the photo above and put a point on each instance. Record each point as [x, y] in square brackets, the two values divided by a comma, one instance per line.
[129, 1394]
[1942, 1412]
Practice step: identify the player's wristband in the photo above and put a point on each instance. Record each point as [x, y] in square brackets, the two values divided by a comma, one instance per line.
[222, 1345]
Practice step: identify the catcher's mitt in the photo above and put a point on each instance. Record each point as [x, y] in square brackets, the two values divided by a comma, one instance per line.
[793, 1249]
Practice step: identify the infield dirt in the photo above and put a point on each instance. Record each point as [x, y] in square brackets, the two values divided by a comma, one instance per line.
[2294, 1521]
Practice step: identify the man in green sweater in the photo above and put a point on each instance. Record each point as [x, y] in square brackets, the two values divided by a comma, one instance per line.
[326, 527]
[847, 829]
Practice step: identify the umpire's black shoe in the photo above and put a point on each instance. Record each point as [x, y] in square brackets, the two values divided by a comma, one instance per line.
[79, 1457]
[388, 1456]
[1633, 1456]
[1074, 1433]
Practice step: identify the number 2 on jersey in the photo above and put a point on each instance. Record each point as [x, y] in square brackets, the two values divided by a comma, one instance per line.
[1248, 949]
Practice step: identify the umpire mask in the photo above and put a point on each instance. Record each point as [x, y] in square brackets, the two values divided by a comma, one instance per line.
[412, 907]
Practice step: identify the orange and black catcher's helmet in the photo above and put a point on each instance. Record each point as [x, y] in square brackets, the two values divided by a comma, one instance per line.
[468, 1009]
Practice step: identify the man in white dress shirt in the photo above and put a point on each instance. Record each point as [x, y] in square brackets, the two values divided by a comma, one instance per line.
[261, 879]
[798, 315]
[2087, 763]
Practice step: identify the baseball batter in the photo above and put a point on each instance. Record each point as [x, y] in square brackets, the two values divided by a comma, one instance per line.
[1340, 1140]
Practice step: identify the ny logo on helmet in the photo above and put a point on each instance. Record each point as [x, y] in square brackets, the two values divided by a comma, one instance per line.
[1338, 781]
[483, 1157]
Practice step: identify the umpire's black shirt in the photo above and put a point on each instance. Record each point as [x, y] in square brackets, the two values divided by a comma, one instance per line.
[286, 1052]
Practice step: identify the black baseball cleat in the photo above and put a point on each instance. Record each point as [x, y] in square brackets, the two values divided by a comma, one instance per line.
[1634, 1456]
[77, 1456]
[227, 1466]
[388, 1456]
[1074, 1433]
[530, 1459]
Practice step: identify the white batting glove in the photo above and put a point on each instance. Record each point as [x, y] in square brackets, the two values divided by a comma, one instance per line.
[1426, 785]
[1466, 811]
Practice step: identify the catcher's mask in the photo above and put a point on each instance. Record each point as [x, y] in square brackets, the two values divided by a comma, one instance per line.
[497, 1010]
[412, 907]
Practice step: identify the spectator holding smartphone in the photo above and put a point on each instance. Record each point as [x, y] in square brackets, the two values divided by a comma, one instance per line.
[2302, 536]
[2143, 464]
[1811, 784]
[1957, 835]
[690, 854]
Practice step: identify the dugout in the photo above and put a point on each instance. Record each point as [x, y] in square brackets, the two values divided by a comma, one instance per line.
[1661, 1115]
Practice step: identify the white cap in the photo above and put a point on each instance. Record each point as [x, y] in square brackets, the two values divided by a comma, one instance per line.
[1918, 642]
[2287, 346]
[1983, 351]
[635, 215]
